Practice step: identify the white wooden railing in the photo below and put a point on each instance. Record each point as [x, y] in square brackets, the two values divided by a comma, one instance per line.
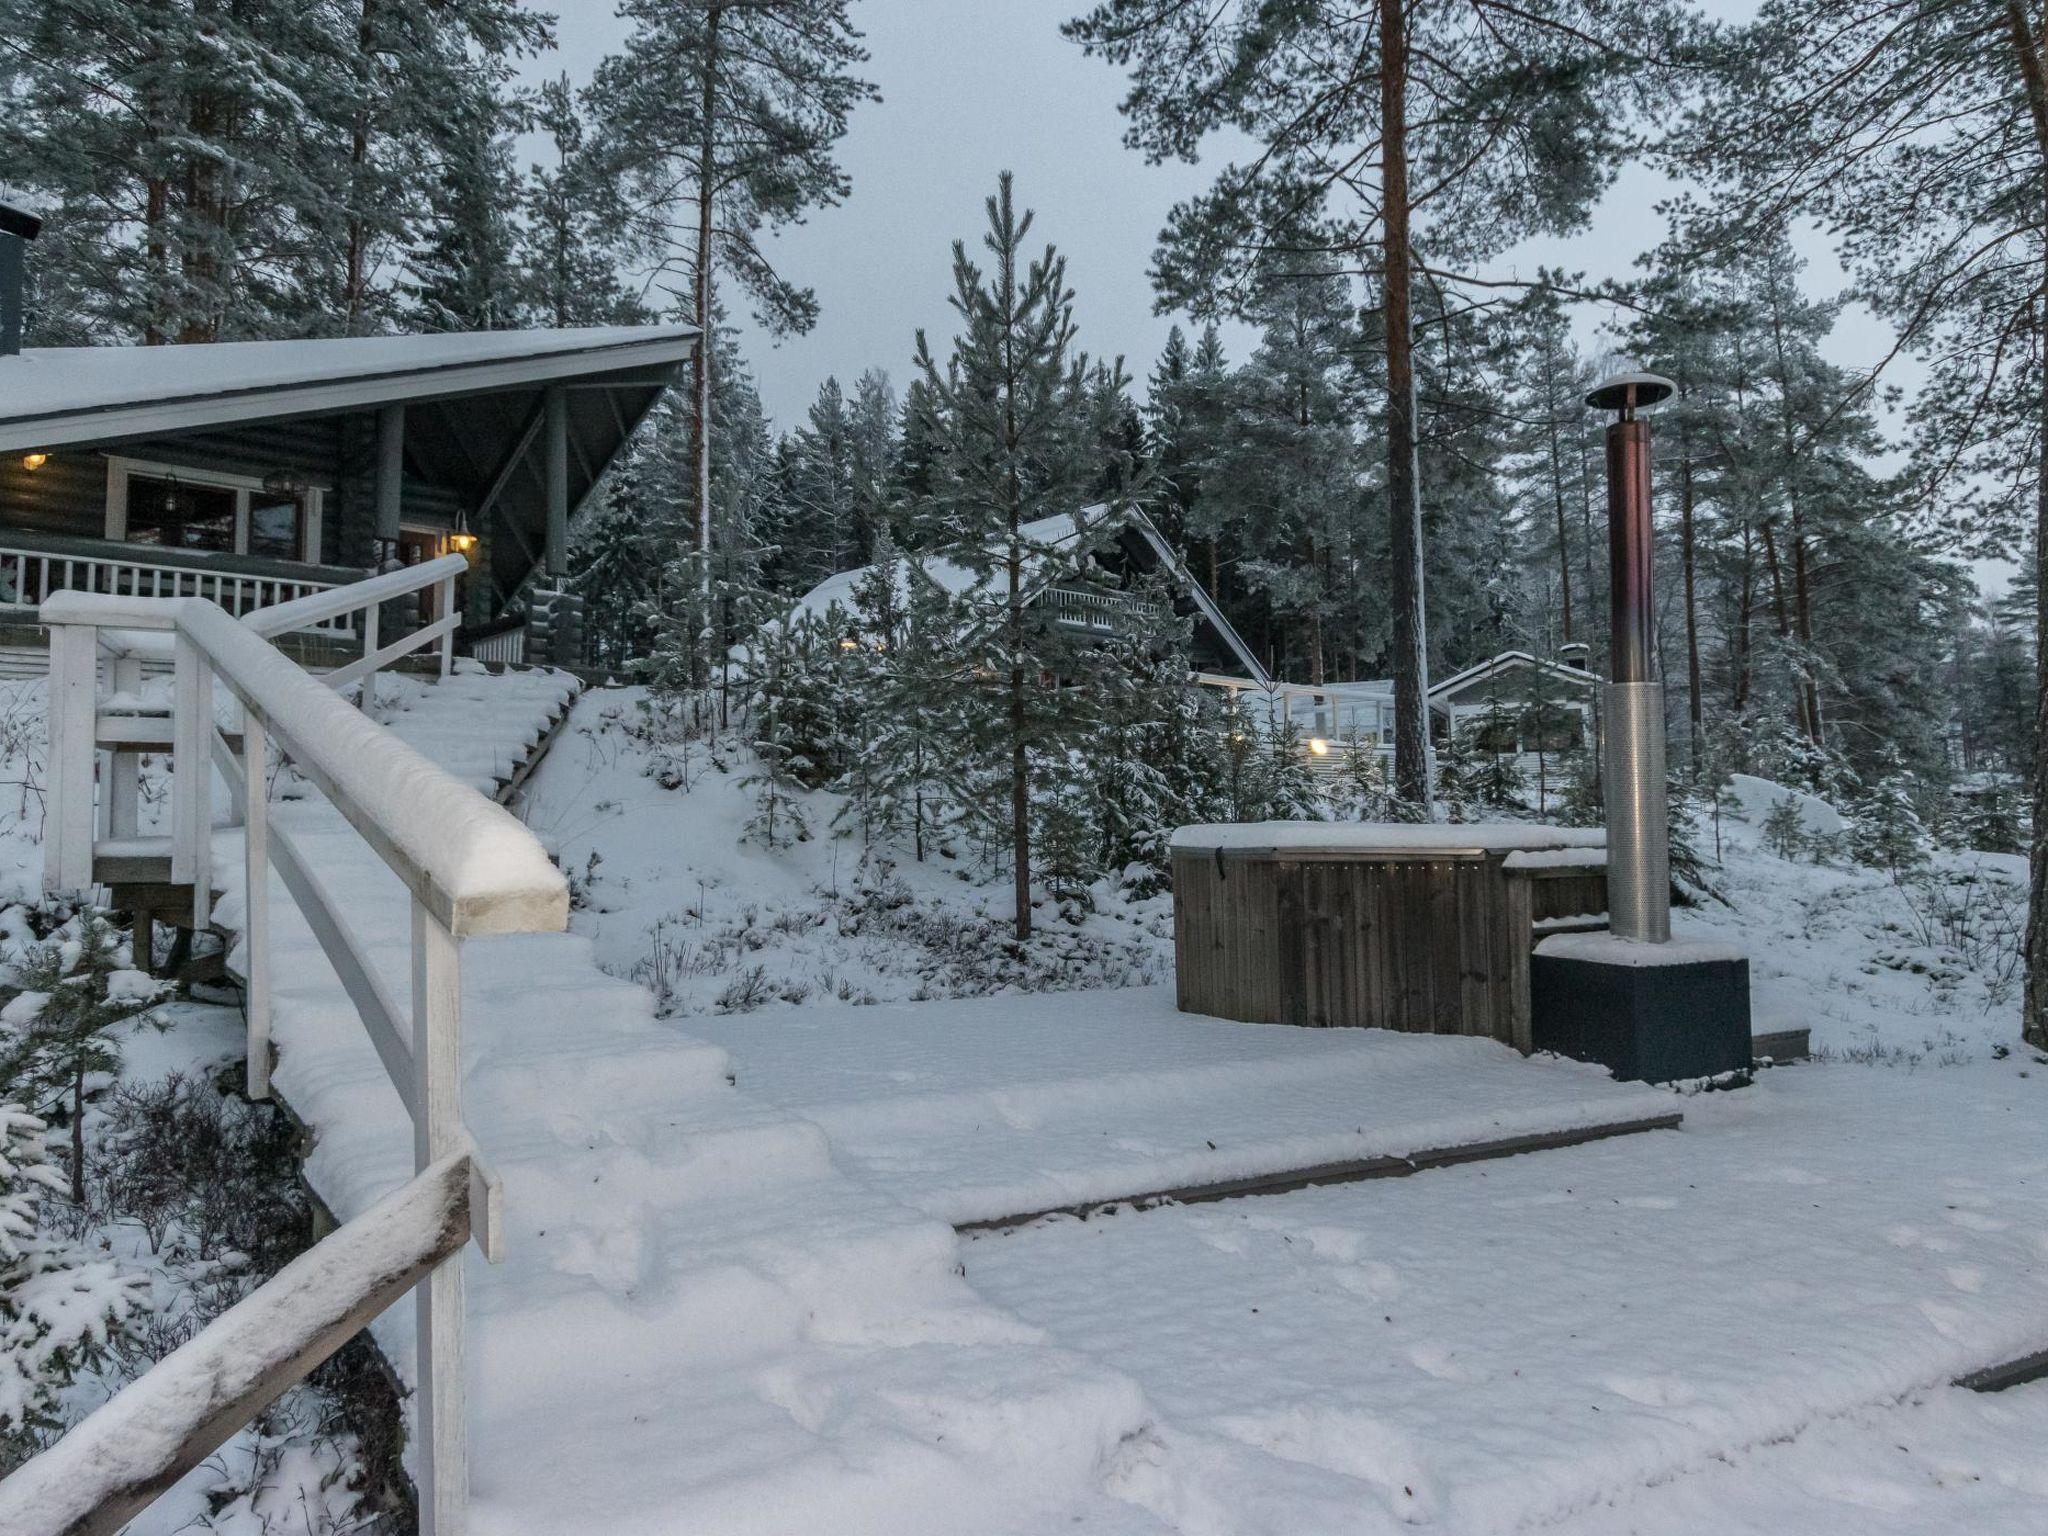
[1105, 611]
[506, 645]
[27, 576]
[470, 868]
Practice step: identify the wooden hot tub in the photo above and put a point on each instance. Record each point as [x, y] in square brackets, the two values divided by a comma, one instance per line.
[1420, 928]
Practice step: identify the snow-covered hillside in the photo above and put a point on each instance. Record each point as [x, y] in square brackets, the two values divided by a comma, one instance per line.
[673, 897]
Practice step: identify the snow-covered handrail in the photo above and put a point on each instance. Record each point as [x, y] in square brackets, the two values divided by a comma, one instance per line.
[470, 866]
[317, 608]
[470, 861]
[114, 1464]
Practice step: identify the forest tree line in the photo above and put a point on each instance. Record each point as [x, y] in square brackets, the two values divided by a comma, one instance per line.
[1398, 475]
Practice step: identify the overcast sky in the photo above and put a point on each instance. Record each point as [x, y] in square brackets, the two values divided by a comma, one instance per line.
[973, 87]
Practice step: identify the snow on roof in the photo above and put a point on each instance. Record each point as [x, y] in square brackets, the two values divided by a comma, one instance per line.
[1385, 837]
[1504, 662]
[1046, 538]
[66, 394]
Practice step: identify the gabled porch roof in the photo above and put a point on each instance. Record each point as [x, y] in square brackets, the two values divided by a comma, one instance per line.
[54, 396]
[474, 404]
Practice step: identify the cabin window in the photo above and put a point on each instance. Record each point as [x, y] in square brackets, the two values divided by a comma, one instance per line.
[172, 507]
[277, 526]
[176, 514]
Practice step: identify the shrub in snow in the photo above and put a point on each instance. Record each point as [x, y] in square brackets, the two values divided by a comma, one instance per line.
[1784, 828]
[1885, 829]
[1993, 820]
[201, 1172]
[59, 1310]
[55, 1031]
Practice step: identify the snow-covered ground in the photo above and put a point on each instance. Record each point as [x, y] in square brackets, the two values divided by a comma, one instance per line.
[732, 1301]
[671, 897]
[1499, 1345]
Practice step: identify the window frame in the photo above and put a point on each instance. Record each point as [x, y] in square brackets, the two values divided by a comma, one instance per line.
[120, 468]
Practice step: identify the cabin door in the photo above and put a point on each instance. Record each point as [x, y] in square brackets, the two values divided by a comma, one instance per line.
[416, 546]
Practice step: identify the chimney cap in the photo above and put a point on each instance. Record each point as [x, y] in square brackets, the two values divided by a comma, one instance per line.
[18, 219]
[1628, 392]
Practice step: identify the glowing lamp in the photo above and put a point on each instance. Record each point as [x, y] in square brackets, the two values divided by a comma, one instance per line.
[1318, 746]
[34, 461]
[461, 543]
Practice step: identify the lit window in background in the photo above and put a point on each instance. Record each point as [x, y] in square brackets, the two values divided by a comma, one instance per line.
[34, 461]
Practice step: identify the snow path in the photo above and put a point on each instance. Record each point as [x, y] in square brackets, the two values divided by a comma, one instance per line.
[977, 1110]
[1482, 1348]
[700, 1324]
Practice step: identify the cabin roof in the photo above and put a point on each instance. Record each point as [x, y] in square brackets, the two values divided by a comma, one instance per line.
[1048, 539]
[1509, 661]
[52, 396]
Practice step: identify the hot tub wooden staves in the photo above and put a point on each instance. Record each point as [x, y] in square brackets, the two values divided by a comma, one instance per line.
[1424, 933]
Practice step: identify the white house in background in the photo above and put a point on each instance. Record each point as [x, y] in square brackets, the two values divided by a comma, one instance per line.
[1514, 702]
[1531, 699]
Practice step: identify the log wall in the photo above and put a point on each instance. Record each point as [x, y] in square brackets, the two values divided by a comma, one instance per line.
[1432, 943]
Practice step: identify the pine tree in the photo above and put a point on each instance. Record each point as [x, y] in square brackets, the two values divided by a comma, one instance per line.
[569, 232]
[464, 275]
[1000, 416]
[781, 663]
[74, 989]
[1784, 828]
[1885, 829]
[722, 118]
[926, 692]
[1487, 127]
[60, 1312]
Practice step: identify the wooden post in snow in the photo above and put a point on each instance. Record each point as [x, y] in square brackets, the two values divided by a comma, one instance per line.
[443, 1419]
[256, 900]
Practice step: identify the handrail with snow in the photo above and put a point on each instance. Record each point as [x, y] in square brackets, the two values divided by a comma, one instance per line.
[124, 1455]
[470, 867]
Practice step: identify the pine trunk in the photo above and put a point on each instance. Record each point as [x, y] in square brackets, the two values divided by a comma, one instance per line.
[355, 277]
[1688, 558]
[1404, 505]
[2033, 68]
[700, 369]
[1802, 613]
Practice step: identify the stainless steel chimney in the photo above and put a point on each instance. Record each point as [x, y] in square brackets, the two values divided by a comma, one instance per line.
[1638, 834]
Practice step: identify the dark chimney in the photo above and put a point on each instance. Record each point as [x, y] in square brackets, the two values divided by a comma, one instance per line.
[18, 226]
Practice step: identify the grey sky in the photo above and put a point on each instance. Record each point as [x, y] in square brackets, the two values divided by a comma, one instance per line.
[972, 87]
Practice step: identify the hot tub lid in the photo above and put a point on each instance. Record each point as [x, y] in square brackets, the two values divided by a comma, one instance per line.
[1376, 837]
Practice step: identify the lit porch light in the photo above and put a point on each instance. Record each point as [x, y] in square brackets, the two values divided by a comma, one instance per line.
[34, 461]
[1318, 747]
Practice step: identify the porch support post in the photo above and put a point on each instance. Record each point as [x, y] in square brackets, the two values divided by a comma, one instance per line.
[390, 477]
[556, 438]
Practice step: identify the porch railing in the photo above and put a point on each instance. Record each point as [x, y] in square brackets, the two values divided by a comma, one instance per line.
[1103, 611]
[31, 571]
[470, 868]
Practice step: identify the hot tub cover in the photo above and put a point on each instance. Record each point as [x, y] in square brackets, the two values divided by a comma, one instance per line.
[1385, 837]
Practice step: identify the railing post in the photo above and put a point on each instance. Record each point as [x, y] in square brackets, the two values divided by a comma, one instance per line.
[368, 699]
[73, 727]
[124, 778]
[443, 1415]
[256, 899]
[447, 607]
[192, 777]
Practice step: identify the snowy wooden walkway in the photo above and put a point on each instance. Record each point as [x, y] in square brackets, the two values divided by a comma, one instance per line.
[718, 1311]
